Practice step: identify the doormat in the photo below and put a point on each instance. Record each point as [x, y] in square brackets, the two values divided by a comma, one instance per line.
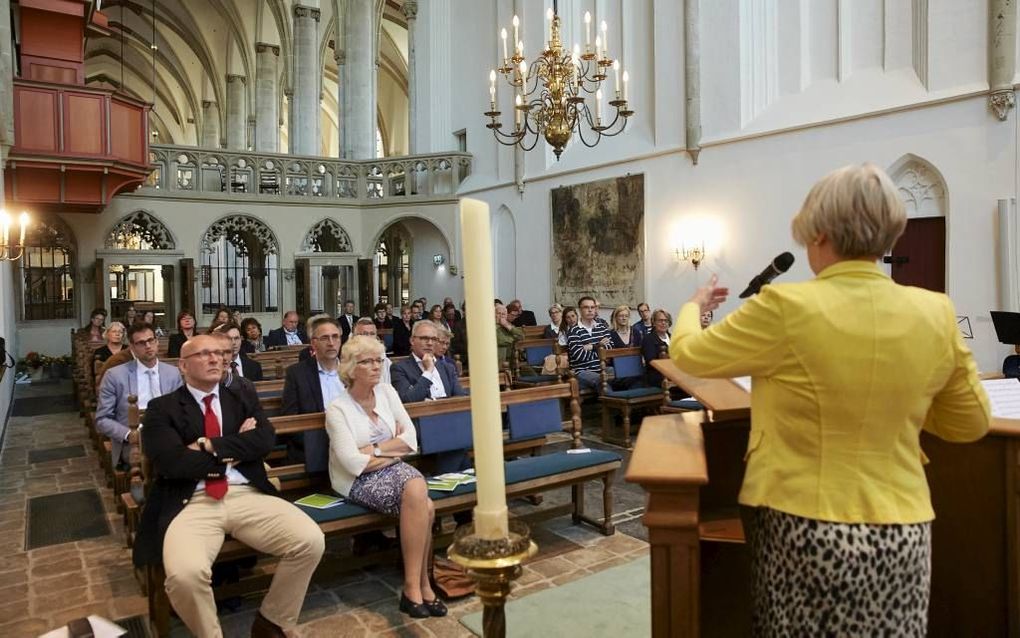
[56, 454]
[36, 406]
[64, 518]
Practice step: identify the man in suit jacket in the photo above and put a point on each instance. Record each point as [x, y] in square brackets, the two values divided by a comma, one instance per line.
[518, 316]
[145, 377]
[347, 321]
[207, 443]
[288, 334]
[310, 386]
[418, 378]
[240, 364]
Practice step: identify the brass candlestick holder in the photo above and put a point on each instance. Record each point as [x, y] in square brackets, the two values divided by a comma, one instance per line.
[493, 565]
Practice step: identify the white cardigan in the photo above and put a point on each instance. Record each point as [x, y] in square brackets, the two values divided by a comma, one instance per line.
[349, 429]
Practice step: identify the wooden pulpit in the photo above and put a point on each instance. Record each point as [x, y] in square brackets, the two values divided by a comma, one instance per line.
[691, 466]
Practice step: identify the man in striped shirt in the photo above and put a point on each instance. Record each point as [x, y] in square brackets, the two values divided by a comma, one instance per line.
[582, 344]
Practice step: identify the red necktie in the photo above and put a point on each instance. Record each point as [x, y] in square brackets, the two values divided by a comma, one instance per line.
[215, 488]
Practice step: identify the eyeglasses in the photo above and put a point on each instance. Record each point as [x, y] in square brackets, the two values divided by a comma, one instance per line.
[370, 362]
[587, 307]
[145, 342]
[208, 354]
[328, 338]
[426, 339]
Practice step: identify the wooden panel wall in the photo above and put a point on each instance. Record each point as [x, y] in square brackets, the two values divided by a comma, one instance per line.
[35, 120]
[84, 124]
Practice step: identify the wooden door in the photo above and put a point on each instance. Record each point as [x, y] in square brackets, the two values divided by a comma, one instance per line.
[100, 284]
[919, 257]
[365, 287]
[187, 273]
[303, 287]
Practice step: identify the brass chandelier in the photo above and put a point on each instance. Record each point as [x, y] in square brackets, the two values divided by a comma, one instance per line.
[551, 96]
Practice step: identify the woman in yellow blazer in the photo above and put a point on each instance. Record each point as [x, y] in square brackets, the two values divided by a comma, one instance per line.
[846, 370]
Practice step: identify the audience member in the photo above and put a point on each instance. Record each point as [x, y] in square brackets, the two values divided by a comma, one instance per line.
[288, 334]
[185, 331]
[436, 314]
[222, 315]
[310, 386]
[145, 377]
[94, 328]
[382, 319]
[236, 317]
[114, 335]
[622, 333]
[518, 316]
[653, 344]
[448, 301]
[252, 331]
[459, 343]
[389, 313]
[149, 317]
[365, 327]
[346, 321]
[402, 332]
[507, 335]
[417, 309]
[706, 319]
[418, 378]
[239, 364]
[130, 315]
[552, 331]
[368, 431]
[215, 484]
[569, 321]
[583, 341]
[450, 317]
[644, 324]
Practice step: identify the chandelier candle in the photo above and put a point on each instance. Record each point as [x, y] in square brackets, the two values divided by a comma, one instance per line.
[486, 423]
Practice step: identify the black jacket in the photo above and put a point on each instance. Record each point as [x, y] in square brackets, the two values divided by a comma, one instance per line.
[346, 327]
[302, 394]
[277, 338]
[526, 318]
[250, 368]
[172, 422]
[401, 339]
[174, 343]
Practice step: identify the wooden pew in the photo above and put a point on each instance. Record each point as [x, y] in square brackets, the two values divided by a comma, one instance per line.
[620, 363]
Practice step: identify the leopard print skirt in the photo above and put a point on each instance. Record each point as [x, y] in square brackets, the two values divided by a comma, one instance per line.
[815, 578]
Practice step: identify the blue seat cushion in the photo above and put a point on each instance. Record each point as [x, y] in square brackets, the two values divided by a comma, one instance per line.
[445, 432]
[538, 418]
[539, 378]
[686, 404]
[516, 471]
[633, 393]
[536, 354]
[629, 366]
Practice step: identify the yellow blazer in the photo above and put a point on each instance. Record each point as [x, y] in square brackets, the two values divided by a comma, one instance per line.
[846, 369]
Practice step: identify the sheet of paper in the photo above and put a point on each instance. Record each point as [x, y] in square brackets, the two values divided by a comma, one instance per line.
[743, 382]
[101, 628]
[1004, 395]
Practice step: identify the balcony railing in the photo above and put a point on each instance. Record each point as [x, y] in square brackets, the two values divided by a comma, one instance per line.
[187, 169]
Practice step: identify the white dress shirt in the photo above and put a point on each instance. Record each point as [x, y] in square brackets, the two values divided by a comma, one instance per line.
[437, 390]
[240, 368]
[330, 384]
[147, 382]
[292, 338]
[233, 476]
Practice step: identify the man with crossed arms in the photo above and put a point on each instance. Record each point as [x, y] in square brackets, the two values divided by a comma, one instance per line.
[206, 442]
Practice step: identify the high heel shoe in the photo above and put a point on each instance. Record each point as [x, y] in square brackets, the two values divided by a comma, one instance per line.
[413, 609]
[435, 607]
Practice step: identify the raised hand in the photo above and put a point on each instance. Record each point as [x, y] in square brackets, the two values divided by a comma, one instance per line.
[710, 296]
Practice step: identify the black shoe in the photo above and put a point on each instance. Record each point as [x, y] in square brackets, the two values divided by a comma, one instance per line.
[412, 609]
[435, 607]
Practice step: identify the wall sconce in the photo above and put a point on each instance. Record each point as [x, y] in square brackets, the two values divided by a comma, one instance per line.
[438, 260]
[10, 251]
[695, 255]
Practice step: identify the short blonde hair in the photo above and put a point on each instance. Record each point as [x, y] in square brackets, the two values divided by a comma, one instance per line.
[356, 348]
[115, 325]
[857, 208]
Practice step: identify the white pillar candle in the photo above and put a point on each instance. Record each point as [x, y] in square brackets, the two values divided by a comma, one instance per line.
[24, 225]
[517, 37]
[502, 34]
[598, 107]
[626, 78]
[486, 423]
[616, 76]
[517, 111]
[587, 30]
[605, 38]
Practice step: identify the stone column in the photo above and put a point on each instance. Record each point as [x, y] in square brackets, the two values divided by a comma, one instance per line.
[411, 13]
[210, 124]
[692, 76]
[1002, 56]
[340, 57]
[237, 116]
[267, 128]
[304, 138]
[359, 116]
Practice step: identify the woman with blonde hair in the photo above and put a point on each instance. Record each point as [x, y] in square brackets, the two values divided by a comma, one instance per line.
[847, 369]
[114, 336]
[368, 432]
[620, 331]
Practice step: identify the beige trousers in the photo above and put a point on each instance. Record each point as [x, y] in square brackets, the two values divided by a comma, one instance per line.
[265, 523]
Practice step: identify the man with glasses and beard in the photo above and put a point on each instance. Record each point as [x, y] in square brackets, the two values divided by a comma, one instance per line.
[145, 377]
[207, 443]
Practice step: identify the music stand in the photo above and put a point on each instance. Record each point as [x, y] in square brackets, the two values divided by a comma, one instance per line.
[1007, 326]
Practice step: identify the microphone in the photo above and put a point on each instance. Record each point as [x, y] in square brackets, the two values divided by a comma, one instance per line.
[778, 266]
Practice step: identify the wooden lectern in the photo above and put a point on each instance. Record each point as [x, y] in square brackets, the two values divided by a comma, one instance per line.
[692, 467]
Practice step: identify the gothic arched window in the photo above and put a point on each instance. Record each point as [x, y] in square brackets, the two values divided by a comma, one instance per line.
[394, 259]
[327, 237]
[47, 270]
[140, 231]
[240, 266]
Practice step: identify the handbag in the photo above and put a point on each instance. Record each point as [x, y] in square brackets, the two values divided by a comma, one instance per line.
[450, 580]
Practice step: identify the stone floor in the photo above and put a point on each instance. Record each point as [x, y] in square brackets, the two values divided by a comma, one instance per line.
[44, 588]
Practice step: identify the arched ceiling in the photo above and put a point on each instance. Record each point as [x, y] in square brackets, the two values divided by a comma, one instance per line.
[199, 42]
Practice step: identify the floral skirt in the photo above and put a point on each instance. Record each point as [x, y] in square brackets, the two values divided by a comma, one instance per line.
[382, 490]
[811, 577]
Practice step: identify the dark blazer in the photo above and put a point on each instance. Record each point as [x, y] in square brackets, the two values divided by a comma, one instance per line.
[526, 318]
[383, 323]
[401, 339]
[651, 346]
[302, 394]
[549, 333]
[174, 343]
[250, 368]
[172, 422]
[412, 386]
[346, 327]
[635, 339]
[276, 338]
